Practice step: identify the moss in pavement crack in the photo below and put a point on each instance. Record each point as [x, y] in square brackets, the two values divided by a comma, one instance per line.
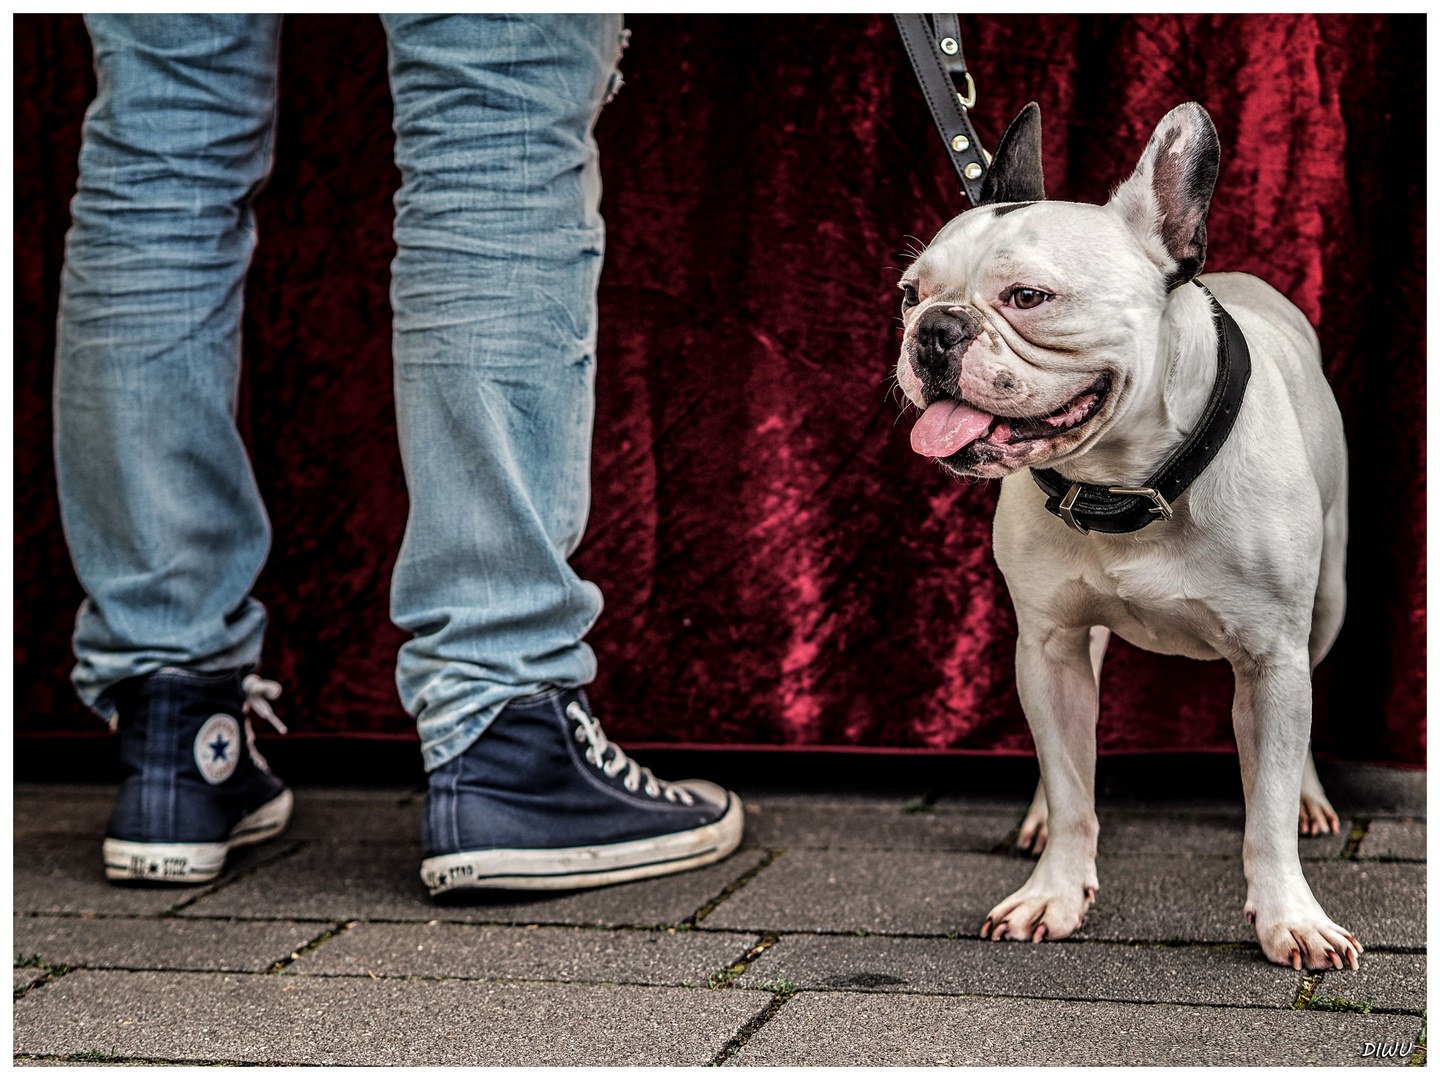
[755, 1024]
[1340, 1004]
[47, 972]
[112, 1058]
[735, 886]
[1308, 985]
[311, 946]
[725, 977]
[1357, 836]
[223, 882]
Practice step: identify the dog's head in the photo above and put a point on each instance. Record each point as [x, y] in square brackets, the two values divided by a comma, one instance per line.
[1029, 324]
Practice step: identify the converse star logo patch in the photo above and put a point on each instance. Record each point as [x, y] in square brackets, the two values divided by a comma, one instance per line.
[217, 748]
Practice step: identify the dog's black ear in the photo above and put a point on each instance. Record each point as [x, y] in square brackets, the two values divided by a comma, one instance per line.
[1016, 172]
[1166, 199]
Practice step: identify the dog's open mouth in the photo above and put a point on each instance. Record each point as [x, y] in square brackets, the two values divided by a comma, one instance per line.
[947, 426]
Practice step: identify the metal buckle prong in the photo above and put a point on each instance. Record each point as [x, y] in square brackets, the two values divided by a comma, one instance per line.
[967, 99]
[1067, 509]
[1161, 507]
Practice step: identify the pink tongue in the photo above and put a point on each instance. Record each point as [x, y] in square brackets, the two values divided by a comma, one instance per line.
[947, 426]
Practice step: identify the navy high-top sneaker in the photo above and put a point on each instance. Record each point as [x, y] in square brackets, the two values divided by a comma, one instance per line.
[193, 785]
[543, 800]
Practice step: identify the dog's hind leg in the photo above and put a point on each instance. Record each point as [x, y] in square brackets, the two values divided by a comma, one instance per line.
[1099, 642]
[1317, 816]
[1035, 829]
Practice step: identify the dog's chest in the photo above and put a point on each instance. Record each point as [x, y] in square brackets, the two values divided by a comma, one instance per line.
[1162, 605]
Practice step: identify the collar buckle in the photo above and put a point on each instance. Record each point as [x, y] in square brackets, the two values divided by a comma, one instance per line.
[1161, 507]
[1067, 509]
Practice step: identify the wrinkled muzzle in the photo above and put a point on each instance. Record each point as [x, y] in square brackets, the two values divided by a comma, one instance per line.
[941, 337]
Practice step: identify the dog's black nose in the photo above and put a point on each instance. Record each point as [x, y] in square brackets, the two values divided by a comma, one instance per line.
[941, 338]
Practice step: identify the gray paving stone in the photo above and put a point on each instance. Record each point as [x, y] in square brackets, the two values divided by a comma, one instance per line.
[899, 1029]
[329, 881]
[27, 976]
[1327, 846]
[1222, 834]
[1386, 980]
[314, 1021]
[1145, 898]
[1192, 975]
[1181, 802]
[507, 952]
[1393, 840]
[1150, 899]
[320, 813]
[65, 875]
[1364, 790]
[873, 798]
[330, 814]
[874, 827]
[382, 881]
[63, 809]
[1142, 898]
[857, 826]
[1383, 904]
[880, 892]
[177, 944]
[22, 1062]
[1131, 833]
[41, 1063]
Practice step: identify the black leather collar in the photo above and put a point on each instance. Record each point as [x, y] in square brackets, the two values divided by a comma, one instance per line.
[1118, 509]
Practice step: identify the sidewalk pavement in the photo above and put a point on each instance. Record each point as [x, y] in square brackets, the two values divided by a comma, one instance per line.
[843, 932]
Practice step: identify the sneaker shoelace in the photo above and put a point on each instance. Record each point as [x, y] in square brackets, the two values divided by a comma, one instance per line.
[258, 695]
[589, 731]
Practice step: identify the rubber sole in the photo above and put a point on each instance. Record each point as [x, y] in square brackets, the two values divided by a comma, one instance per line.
[194, 863]
[586, 867]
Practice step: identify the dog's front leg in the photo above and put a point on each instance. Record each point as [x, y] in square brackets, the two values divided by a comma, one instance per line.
[1272, 731]
[1035, 829]
[1057, 690]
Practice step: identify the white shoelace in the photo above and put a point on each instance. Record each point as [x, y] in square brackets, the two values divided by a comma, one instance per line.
[590, 732]
[258, 695]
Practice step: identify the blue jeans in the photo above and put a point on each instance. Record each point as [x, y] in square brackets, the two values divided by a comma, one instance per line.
[499, 242]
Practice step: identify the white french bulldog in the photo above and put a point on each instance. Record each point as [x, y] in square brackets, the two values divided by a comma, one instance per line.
[1074, 340]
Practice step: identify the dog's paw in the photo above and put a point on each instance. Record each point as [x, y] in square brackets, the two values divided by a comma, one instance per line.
[1038, 914]
[1304, 937]
[1035, 829]
[1317, 816]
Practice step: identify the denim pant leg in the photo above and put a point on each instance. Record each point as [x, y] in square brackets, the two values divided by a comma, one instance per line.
[499, 243]
[159, 504]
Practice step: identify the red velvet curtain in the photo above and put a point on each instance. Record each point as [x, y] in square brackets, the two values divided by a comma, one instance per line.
[779, 568]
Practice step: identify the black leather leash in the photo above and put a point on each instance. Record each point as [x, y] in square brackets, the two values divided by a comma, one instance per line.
[1096, 508]
[936, 58]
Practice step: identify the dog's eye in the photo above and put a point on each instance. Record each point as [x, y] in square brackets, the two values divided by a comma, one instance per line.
[1028, 298]
[912, 296]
